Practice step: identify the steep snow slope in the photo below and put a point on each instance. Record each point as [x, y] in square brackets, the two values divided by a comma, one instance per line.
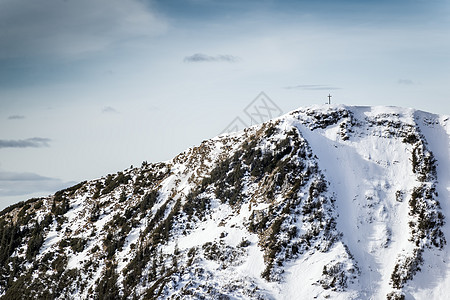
[434, 280]
[324, 202]
[369, 172]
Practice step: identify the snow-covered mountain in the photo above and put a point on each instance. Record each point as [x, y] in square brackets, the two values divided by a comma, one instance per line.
[325, 202]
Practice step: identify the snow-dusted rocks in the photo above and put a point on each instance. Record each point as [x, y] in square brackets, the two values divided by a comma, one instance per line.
[325, 202]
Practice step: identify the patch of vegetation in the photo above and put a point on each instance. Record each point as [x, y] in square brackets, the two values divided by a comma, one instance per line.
[395, 295]
[95, 212]
[60, 263]
[334, 277]
[106, 286]
[18, 289]
[34, 243]
[157, 232]
[406, 268]
[76, 244]
[60, 205]
[224, 255]
[11, 236]
[112, 183]
[410, 139]
[325, 119]
[195, 205]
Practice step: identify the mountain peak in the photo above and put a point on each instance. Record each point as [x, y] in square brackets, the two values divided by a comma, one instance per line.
[350, 201]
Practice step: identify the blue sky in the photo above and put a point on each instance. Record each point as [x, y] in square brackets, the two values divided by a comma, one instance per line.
[89, 87]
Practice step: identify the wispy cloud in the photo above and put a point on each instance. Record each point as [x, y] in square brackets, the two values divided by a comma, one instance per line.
[200, 57]
[17, 183]
[16, 117]
[25, 176]
[35, 142]
[109, 110]
[313, 87]
[405, 81]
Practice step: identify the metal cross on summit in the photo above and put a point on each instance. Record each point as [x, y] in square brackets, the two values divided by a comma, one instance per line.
[329, 98]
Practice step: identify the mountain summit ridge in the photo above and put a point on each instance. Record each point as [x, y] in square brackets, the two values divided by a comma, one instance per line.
[351, 202]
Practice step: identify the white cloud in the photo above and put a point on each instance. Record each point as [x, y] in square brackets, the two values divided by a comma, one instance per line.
[313, 87]
[200, 57]
[109, 109]
[67, 28]
[405, 81]
[16, 183]
[35, 142]
[16, 117]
